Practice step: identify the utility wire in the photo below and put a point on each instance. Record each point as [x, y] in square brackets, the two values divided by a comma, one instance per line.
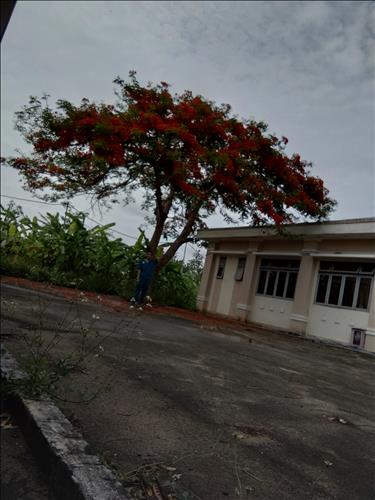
[33, 201]
[74, 208]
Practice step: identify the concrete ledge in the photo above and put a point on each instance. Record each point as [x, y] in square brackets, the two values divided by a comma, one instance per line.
[73, 471]
[298, 318]
[243, 307]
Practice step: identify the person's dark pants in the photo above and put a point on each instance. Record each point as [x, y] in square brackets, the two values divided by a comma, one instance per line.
[141, 291]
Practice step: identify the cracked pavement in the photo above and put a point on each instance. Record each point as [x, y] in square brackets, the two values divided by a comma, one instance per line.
[226, 415]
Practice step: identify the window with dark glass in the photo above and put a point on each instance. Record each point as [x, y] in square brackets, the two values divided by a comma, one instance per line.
[345, 284]
[281, 282]
[363, 293]
[349, 289]
[262, 281]
[240, 269]
[272, 275]
[221, 268]
[334, 292]
[322, 288]
[278, 278]
[291, 287]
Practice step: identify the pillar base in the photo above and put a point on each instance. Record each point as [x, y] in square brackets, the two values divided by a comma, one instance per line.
[298, 323]
[202, 303]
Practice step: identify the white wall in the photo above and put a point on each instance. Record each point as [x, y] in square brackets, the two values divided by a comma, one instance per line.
[335, 323]
[271, 311]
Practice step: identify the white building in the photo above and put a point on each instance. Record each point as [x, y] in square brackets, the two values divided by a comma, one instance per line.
[317, 280]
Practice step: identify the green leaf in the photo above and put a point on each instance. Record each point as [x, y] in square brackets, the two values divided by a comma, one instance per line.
[138, 245]
[12, 230]
[102, 229]
[72, 229]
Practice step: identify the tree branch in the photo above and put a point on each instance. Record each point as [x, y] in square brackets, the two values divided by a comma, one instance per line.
[182, 237]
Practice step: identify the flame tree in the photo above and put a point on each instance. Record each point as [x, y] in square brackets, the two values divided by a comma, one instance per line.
[189, 156]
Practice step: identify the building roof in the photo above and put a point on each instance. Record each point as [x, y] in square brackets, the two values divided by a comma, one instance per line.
[347, 228]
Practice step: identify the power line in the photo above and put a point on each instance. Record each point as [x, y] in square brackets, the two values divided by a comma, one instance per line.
[33, 201]
[74, 208]
[112, 230]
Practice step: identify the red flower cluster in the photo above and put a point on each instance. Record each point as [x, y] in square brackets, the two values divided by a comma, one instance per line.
[183, 144]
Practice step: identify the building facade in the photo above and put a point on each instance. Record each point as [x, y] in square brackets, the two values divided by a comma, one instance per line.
[316, 279]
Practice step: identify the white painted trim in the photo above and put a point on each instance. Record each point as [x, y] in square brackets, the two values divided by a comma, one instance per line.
[364, 227]
[243, 307]
[308, 251]
[298, 317]
[228, 252]
[280, 254]
[343, 255]
[370, 332]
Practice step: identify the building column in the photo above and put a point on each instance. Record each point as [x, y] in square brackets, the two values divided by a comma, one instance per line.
[244, 300]
[304, 289]
[206, 280]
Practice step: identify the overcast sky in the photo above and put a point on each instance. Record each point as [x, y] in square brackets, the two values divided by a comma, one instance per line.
[305, 68]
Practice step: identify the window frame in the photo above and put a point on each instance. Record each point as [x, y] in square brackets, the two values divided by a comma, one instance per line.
[221, 266]
[358, 275]
[268, 269]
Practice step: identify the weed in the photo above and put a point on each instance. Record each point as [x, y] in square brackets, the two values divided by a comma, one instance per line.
[44, 360]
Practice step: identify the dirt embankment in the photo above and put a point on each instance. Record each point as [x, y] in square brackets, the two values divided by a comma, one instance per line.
[118, 304]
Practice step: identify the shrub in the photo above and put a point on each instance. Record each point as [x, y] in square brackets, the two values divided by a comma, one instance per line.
[63, 251]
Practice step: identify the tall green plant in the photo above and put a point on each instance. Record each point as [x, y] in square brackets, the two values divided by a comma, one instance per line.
[62, 250]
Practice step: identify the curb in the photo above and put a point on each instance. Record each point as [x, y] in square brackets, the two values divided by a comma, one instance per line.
[73, 472]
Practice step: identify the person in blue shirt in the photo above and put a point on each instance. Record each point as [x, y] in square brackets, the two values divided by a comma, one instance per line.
[146, 271]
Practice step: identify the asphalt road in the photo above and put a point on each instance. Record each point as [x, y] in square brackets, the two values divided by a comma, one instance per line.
[217, 415]
[21, 477]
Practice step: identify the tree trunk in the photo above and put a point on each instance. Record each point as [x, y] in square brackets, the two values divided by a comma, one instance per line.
[162, 210]
[180, 240]
[158, 231]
